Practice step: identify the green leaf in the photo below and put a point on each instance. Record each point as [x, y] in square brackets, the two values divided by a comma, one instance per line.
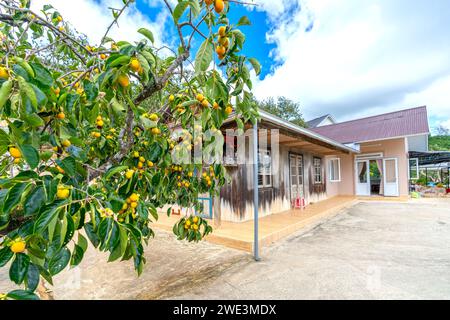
[69, 165]
[195, 8]
[179, 10]
[13, 198]
[244, 21]
[59, 261]
[113, 170]
[34, 201]
[147, 33]
[48, 212]
[30, 154]
[22, 295]
[42, 75]
[82, 242]
[28, 91]
[204, 56]
[4, 138]
[5, 90]
[5, 255]
[256, 65]
[32, 279]
[19, 268]
[93, 237]
[34, 120]
[77, 255]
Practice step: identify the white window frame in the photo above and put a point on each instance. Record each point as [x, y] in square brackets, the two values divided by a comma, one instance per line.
[267, 172]
[417, 169]
[315, 175]
[330, 169]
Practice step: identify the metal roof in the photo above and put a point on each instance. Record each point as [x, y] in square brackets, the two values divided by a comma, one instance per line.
[295, 128]
[315, 122]
[397, 124]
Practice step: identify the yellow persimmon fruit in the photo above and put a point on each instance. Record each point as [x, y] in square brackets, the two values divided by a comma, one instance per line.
[4, 73]
[154, 117]
[129, 174]
[134, 197]
[171, 98]
[66, 143]
[228, 110]
[220, 50]
[123, 80]
[133, 204]
[200, 97]
[135, 66]
[222, 31]
[156, 131]
[60, 115]
[62, 193]
[205, 103]
[15, 152]
[219, 5]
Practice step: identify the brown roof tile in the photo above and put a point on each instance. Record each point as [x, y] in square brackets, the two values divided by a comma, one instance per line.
[389, 125]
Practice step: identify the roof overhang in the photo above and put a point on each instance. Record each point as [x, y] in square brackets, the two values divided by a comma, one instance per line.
[278, 123]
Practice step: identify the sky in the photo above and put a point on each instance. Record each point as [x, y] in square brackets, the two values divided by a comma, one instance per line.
[347, 58]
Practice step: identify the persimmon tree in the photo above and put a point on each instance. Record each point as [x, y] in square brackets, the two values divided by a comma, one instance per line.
[86, 143]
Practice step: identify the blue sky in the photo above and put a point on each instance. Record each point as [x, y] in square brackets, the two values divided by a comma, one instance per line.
[348, 58]
[256, 44]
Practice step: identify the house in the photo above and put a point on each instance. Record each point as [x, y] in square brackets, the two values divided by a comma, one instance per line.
[321, 121]
[361, 157]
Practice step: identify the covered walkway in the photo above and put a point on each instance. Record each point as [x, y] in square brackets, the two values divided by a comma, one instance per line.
[239, 235]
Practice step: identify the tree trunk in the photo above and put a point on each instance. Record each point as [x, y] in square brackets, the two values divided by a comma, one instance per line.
[43, 292]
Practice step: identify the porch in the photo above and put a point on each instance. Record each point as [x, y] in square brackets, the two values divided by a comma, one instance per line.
[239, 235]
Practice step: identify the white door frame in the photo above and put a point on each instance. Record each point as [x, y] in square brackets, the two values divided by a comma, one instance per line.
[362, 189]
[391, 189]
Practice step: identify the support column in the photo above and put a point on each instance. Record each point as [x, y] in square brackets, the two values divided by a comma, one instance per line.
[255, 193]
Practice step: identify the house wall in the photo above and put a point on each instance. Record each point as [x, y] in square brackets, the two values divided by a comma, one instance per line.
[236, 198]
[345, 187]
[418, 143]
[393, 148]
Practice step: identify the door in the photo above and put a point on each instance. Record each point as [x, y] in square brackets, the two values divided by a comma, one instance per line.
[296, 171]
[390, 173]
[362, 178]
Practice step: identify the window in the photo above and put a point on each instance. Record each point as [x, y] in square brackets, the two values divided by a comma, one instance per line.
[317, 162]
[335, 170]
[264, 169]
[414, 169]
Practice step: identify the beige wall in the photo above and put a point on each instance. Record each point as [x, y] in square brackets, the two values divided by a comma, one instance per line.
[393, 148]
[345, 187]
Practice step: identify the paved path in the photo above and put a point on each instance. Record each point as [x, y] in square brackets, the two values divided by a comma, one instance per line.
[370, 251]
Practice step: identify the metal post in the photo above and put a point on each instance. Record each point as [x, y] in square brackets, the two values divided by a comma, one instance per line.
[255, 193]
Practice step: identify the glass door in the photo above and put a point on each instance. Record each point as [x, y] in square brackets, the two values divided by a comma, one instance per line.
[362, 178]
[296, 178]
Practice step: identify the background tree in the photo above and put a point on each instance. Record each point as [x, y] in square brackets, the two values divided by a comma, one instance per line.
[440, 141]
[283, 108]
[86, 141]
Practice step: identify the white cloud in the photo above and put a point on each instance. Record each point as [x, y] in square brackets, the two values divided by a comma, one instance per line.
[93, 17]
[360, 57]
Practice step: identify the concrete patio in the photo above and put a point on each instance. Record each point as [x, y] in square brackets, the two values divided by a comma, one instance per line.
[271, 228]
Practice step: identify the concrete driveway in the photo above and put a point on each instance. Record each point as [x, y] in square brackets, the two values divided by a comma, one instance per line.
[369, 251]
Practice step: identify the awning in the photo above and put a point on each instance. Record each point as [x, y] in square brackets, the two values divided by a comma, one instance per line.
[430, 157]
